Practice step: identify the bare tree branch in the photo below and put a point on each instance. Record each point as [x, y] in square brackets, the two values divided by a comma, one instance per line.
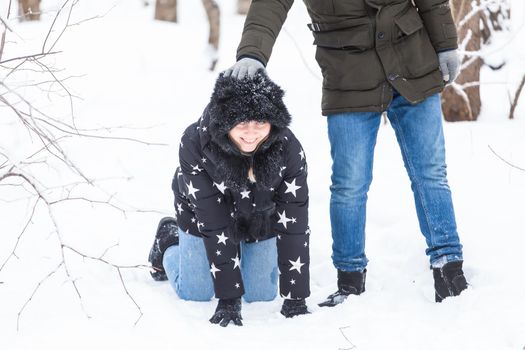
[118, 268]
[516, 98]
[48, 134]
[13, 251]
[504, 160]
[305, 63]
[36, 55]
[33, 294]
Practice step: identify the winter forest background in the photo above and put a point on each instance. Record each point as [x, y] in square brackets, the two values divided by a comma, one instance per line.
[94, 96]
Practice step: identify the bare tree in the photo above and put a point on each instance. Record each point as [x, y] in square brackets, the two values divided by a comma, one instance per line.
[476, 20]
[243, 6]
[29, 10]
[214, 19]
[166, 10]
[22, 80]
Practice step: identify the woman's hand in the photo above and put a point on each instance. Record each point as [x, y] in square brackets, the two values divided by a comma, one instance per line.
[227, 310]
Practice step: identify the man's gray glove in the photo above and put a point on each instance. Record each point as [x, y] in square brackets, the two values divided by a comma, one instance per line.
[245, 67]
[449, 65]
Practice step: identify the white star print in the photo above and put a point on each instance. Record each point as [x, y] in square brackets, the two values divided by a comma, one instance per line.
[278, 236]
[237, 285]
[220, 186]
[296, 265]
[218, 252]
[214, 269]
[306, 244]
[204, 128]
[218, 199]
[196, 167]
[203, 160]
[283, 219]
[287, 296]
[301, 154]
[236, 261]
[199, 225]
[193, 173]
[245, 194]
[292, 281]
[192, 190]
[294, 220]
[281, 171]
[179, 208]
[292, 188]
[222, 238]
[193, 220]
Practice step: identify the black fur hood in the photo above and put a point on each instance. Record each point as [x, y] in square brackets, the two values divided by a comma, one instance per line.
[234, 101]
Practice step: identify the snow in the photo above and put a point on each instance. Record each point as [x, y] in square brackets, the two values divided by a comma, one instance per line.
[149, 80]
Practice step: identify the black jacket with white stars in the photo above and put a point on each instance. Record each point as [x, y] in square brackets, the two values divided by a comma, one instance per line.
[216, 200]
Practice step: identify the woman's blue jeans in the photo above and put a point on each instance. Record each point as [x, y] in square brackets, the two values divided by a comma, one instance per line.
[189, 274]
[419, 133]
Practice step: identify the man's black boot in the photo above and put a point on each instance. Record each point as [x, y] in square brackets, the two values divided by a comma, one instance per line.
[167, 235]
[347, 283]
[449, 280]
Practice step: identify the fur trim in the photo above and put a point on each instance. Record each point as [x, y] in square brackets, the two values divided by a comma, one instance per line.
[234, 101]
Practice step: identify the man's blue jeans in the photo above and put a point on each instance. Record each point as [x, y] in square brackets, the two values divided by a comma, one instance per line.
[419, 133]
[188, 269]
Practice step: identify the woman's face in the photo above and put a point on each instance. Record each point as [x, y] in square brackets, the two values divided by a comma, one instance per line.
[248, 135]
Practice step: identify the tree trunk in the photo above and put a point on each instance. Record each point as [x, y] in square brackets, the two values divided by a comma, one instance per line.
[29, 10]
[461, 102]
[243, 6]
[214, 17]
[166, 10]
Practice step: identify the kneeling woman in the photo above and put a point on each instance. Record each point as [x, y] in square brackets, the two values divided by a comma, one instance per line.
[241, 201]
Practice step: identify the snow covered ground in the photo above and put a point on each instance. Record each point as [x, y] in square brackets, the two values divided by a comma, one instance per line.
[150, 78]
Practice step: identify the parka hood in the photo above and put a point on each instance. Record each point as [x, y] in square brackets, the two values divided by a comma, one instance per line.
[234, 101]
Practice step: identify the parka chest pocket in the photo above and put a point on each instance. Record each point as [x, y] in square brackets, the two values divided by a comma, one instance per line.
[321, 7]
[347, 57]
[413, 45]
[357, 38]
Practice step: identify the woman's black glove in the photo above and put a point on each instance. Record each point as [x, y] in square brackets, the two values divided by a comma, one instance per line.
[227, 310]
[293, 308]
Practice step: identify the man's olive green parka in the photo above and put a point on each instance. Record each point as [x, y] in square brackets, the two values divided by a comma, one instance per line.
[365, 48]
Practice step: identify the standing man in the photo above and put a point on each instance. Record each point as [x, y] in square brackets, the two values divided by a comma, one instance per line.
[376, 56]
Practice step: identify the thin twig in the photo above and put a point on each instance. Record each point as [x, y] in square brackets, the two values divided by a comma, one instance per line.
[13, 251]
[352, 346]
[36, 55]
[504, 160]
[129, 295]
[516, 98]
[33, 294]
[52, 25]
[305, 63]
